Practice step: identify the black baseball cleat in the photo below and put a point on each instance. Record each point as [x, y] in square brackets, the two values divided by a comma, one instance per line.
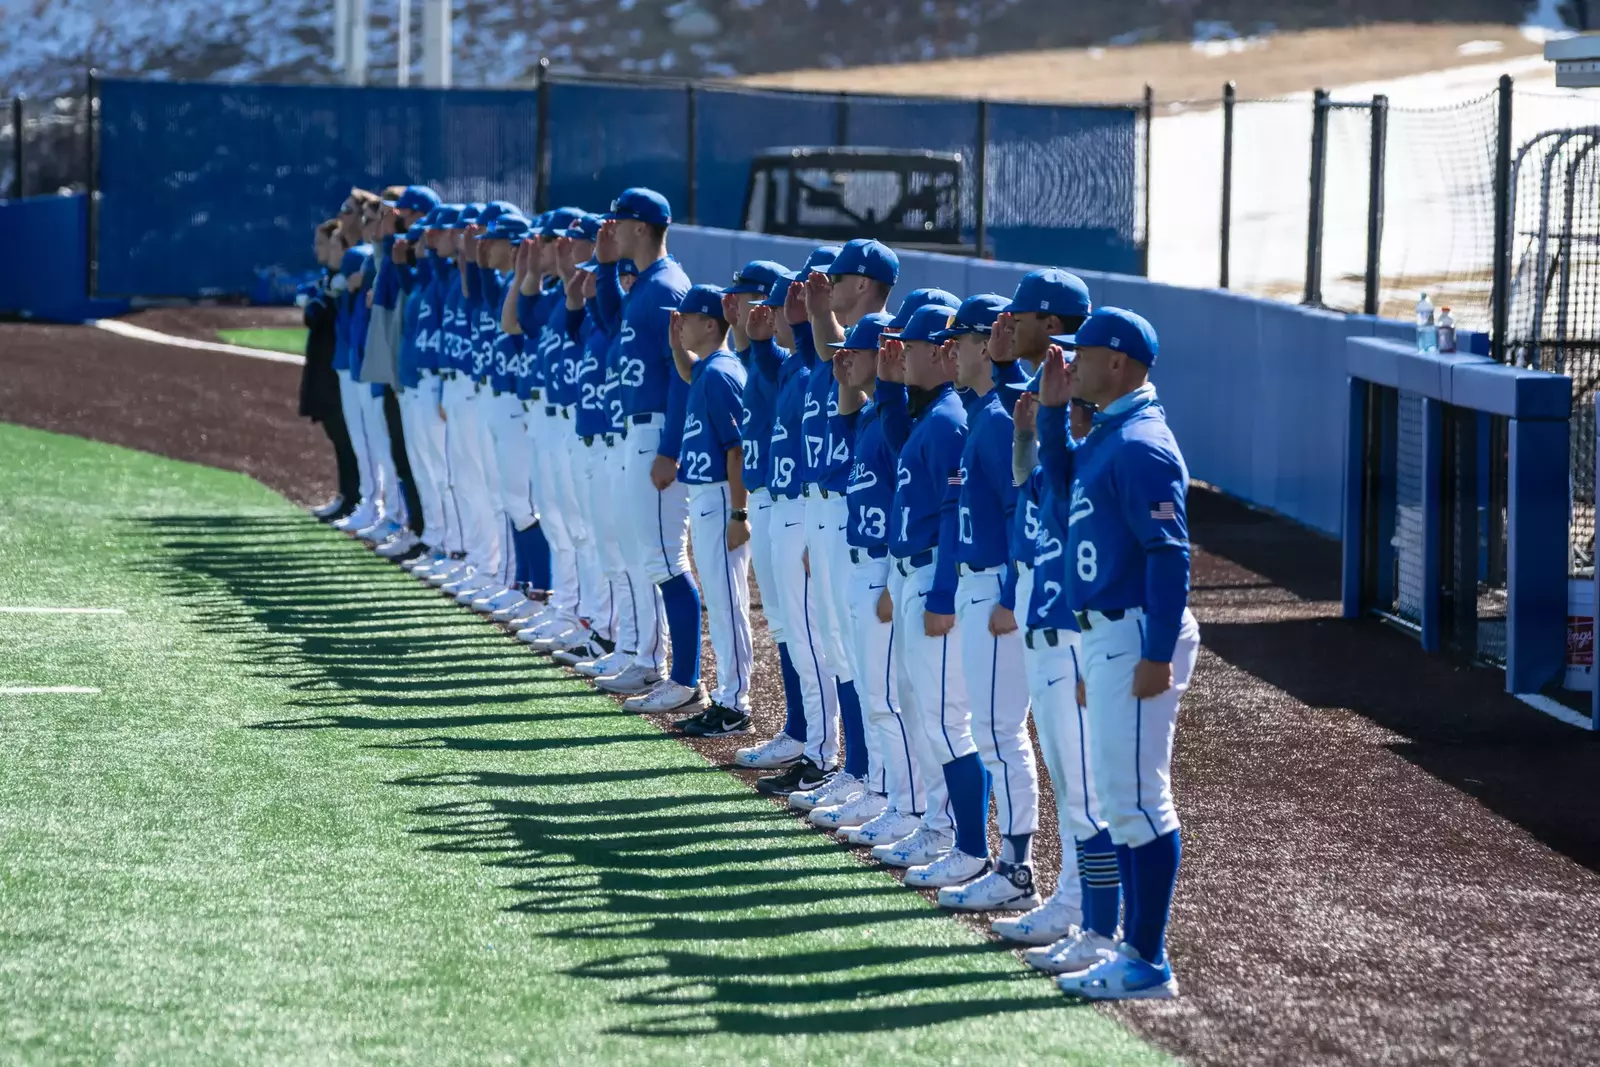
[796, 778]
[717, 721]
[688, 723]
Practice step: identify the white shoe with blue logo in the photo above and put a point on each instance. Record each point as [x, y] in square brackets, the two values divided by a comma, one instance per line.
[1123, 976]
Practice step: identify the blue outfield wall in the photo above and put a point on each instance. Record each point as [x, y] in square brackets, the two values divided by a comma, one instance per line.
[49, 280]
[1255, 389]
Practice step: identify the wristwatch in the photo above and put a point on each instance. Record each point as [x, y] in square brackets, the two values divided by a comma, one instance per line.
[739, 515]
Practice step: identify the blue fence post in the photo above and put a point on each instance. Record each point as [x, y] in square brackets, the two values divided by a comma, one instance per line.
[1536, 553]
[1355, 487]
[1432, 517]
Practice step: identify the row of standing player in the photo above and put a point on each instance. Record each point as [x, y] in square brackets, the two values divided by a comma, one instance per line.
[933, 568]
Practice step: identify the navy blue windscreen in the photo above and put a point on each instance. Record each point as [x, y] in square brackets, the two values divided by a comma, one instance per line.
[733, 126]
[606, 138]
[1065, 186]
[935, 125]
[205, 188]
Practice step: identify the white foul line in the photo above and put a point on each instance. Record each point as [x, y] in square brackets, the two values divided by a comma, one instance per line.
[60, 611]
[42, 690]
[1556, 710]
[139, 333]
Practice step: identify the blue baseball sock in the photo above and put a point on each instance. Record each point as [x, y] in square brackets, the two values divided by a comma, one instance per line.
[1102, 883]
[794, 723]
[855, 731]
[1017, 848]
[533, 556]
[969, 803]
[1155, 874]
[682, 601]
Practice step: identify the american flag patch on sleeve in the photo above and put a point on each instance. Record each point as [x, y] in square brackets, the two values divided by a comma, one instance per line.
[1164, 511]
[958, 478]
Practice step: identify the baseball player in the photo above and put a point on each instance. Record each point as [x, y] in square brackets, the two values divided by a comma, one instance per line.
[354, 397]
[771, 362]
[656, 524]
[1128, 581]
[925, 423]
[985, 609]
[372, 365]
[633, 608]
[711, 464]
[319, 382]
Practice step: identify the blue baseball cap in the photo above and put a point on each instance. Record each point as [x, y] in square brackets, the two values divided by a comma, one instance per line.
[468, 215]
[417, 198]
[585, 227]
[921, 298]
[1125, 331]
[508, 227]
[872, 259]
[865, 334]
[976, 314]
[444, 216]
[778, 292]
[627, 266]
[701, 300]
[416, 232]
[642, 205]
[496, 208]
[560, 220]
[927, 322]
[1050, 291]
[821, 258]
[756, 276]
[355, 259]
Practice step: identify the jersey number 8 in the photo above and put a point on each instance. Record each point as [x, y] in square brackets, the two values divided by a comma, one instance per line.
[1088, 561]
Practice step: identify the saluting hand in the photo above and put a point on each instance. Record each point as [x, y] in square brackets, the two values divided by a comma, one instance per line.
[675, 332]
[1002, 339]
[397, 253]
[607, 249]
[1026, 413]
[730, 308]
[819, 294]
[761, 325]
[892, 359]
[588, 284]
[1055, 382]
[794, 303]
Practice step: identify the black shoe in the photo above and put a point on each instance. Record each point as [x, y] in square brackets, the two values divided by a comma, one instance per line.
[718, 721]
[796, 778]
[691, 724]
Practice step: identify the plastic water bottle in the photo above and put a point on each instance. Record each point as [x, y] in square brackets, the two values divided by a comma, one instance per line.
[1427, 332]
[1447, 330]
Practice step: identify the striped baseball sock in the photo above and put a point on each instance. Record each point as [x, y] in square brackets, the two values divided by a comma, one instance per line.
[1102, 884]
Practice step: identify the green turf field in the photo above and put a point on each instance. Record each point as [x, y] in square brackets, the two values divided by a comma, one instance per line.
[317, 815]
[273, 339]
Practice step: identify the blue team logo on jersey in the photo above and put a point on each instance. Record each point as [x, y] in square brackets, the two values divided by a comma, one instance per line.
[902, 475]
[862, 478]
[1082, 507]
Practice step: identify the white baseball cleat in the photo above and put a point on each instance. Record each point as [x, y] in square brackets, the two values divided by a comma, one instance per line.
[922, 847]
[770, 755]
[439, 576]
[514, 610]
[666, 696]
[859, 809]
[633, 679]
[886, 829]
[1121, 976]
[953, 868]
[1077, 951]
[421, 564]
[839, 789]
[363, 516]
[466, 578]
[379, 532]
[398, 545]
[484, 586]
[491, 601]
[330, 508]
[610, 663]
[1009, 887]
[1046, 924]
[571, 637]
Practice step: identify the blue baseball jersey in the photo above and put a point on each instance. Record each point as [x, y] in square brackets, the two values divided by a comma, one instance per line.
[591, 419]
[986, 499]
[1126, 519]
[870, 493]
[712, 414]
[532, 313]
[924, 515]
[760, 403]
[343, 307]
[821, 395]
[785, 448]
[611, 391]
[409, 359]
[650, 381]
[1045, 551]
[565, 356]
[457, 331]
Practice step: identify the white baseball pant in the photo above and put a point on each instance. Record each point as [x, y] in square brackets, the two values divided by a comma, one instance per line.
[609, 489]
[796, 605]
[655, 523]
[588, 474]
[760, 508]
[893, 767]
[419, 411]
[496, 559]
[1130, 740]
[829, 552]
[725, 593]
[548, 456]
[355, 420]
[375, 424]
[572, 483]
[933, 689]
[469, 483]
[997, 689]
[514, 461]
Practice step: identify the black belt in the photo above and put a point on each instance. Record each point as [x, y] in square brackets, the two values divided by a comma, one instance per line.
[496, 391]
[611, 440]
[448, 375]
[970, 569]
[588, 438]
[1114, 615]
[916, 562]
[875, 552]
[1050, 634]
[565, 414]
[533, 394]
[805, 490]
[641, 418]
[550, 410]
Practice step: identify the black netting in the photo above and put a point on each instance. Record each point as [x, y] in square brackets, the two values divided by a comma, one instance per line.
[55, 147]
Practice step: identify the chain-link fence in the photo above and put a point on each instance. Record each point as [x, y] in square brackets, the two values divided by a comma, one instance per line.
[44, 147]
